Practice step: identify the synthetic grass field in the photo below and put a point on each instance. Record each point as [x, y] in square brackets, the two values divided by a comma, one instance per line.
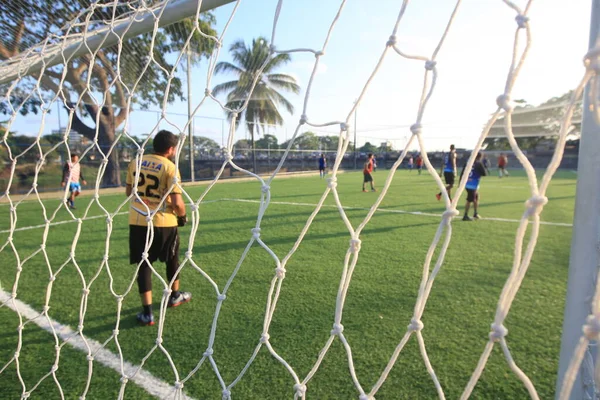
[378, 308]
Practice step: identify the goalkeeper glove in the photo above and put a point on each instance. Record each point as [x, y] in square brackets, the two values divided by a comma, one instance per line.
[181, 220]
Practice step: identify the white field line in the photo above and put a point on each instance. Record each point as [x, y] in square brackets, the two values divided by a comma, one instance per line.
[384, 210]
[151, 384]
[387, 210]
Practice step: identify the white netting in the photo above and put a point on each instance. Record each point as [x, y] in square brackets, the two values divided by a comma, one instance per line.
[93, 97]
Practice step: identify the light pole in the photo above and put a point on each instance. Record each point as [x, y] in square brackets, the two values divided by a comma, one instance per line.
[355, 112]
[190, 120]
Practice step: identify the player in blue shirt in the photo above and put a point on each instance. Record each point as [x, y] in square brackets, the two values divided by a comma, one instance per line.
[477, 171]
[449, 171]
[322, 165]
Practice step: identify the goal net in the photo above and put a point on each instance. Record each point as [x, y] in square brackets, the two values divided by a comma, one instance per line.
[96, 62]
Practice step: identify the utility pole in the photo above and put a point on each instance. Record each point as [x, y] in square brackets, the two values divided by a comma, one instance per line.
[190, 120]
[355, 112]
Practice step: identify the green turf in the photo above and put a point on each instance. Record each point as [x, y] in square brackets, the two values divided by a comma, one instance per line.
[379, 304]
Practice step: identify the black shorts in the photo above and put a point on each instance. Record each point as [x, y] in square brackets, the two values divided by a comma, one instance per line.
[472, 195]
[164, 247]
[449, 178]
[321, 168]
[367, 177]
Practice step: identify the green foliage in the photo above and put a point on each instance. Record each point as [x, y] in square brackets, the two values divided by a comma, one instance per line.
[254, 63]
[369, 148]
[267, 141]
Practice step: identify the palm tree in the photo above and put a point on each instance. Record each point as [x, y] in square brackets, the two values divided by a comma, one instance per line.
[265, 99]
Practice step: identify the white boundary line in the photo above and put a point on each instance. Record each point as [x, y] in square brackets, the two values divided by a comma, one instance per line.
[387, 210]
[142, 378]
[287, 203]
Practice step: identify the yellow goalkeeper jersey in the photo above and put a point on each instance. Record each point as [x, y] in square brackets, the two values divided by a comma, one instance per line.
[156, 177]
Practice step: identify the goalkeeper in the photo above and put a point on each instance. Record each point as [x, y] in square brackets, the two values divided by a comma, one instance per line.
[156, 176]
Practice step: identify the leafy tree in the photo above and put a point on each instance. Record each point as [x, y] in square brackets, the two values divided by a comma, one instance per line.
[242, 145]
[329, 142]
[368, 148]
[37, 19]
[265, 99]
[206, 144]
[267, 141]
[533, 125]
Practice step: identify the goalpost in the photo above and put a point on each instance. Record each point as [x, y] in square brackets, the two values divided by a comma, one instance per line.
[86, 36]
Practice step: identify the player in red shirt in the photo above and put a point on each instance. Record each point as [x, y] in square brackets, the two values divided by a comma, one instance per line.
[502, 161]
[367, 173]
[419, 163]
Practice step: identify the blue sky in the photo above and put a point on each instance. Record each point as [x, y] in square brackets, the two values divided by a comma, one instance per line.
[472, 66]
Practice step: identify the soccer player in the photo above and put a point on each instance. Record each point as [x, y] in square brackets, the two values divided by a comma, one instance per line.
[410, 164]
[449, 171]
[502, 161]
[322, 165]
[367, 173]
[419, 163]
[477, 171]
[157, 173]
[72, 172]
[374, 164]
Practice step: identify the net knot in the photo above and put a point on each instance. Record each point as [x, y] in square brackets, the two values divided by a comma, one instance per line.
[319, 53]
[42, 246]
[124, 379]
[391, 41]
[228, 156]
[416, 129]
[188, 254]
[300, 389]
[45, 309]
[226, 394]
[365, 397]
[96, 196]
[207, 92]
[535, 204]
[344, 127]
[355, 245]
[430, 65]
[194, 207]
[17, 354]
[34, 185]
[337, 329]
[85, 291]
[591, 329]
[255, 232]
[145, 256]
[54, 368]
[90, 357]
[178, 385]
[265, 188]
[115, 332]
[166, 292]
[209, 352]
[221, 297]
[80, 328]
[148, 218]
[415, 325]
[265, 338]
[140, 151]
[450, 213]
[119, 298]
[105, 161]
[159, 341]
[25, 395]
[504, 102]
[498, 332]
[332, 183]
[522, 21]
[280, 272]
[105, 258]
[272, 48]
[303, 119]
[175, 180]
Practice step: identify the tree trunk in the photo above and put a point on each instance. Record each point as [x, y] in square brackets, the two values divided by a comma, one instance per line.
[253, 153]
[106, 137]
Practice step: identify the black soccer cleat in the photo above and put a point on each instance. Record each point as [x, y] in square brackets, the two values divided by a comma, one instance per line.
[145, 319]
